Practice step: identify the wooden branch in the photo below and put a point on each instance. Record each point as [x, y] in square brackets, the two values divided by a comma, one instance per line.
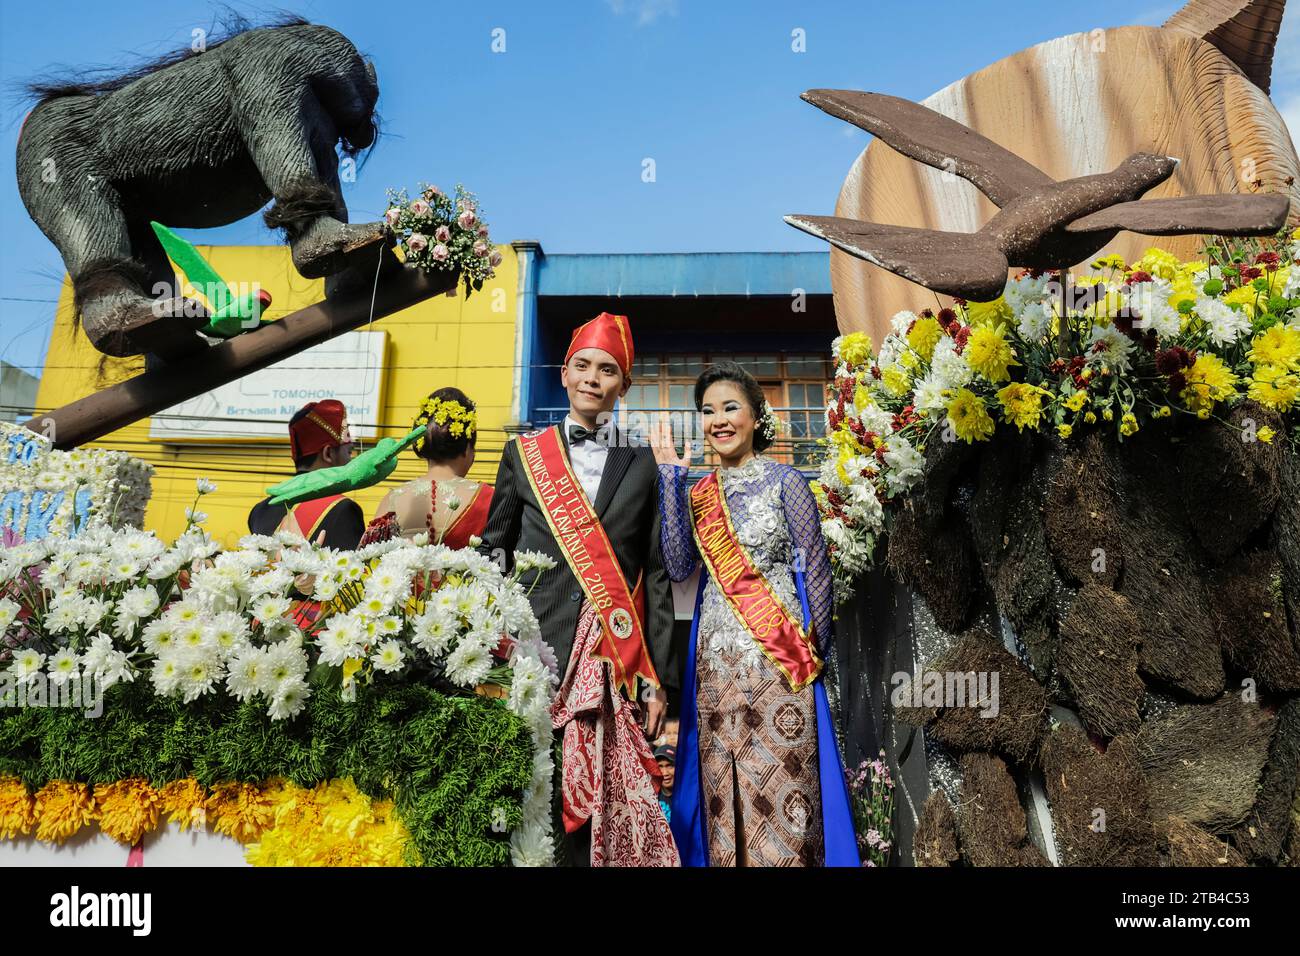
[106, 411]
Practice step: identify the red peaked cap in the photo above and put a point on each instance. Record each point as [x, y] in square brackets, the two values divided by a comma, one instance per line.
[324, 425]
[609, 332]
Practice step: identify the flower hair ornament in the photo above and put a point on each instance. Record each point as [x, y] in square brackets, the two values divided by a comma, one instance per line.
[450, 413]
[768, 424]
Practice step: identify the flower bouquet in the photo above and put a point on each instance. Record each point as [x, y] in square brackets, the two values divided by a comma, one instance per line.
[276, 621]
[437, 231]
[871, 798]
[1121, 348]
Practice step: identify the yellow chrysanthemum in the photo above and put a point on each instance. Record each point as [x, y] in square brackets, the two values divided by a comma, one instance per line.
[862, 397]
[1076, 401]
[62, 808]
[924, 336]
[184, 803]
[896, 380]
[332, 824]
[989, 314]
[239, 810]
[127, 809]
[17, 809]
[1022, 404]
[1274, 386]
[1244, 296]
[1279, 345]
[1128, 424]
[990, 354]
[855, 348]
[969, 416]
[1158, 263]
[1112, 261]
[1208, 381]
[1184, 290]
[1266, 435]
[1064, 430]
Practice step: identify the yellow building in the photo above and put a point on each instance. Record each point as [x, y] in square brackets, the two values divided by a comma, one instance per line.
[771, 312]
[468, 343]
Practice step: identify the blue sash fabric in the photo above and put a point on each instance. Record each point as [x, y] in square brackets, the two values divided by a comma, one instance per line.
[688, 817]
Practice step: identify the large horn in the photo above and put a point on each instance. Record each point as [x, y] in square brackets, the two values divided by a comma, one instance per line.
[1245, 31]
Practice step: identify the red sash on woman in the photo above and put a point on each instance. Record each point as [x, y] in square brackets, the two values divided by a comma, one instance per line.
[586, 548]
[470, 520]
[787, 645]
[307, 516]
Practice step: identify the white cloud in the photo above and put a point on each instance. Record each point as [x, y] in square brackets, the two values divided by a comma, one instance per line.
[647, 11]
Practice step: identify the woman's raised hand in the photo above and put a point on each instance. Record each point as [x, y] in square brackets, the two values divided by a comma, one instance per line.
[665, 448]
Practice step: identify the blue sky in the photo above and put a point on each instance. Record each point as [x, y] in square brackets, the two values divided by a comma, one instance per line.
[552, 133]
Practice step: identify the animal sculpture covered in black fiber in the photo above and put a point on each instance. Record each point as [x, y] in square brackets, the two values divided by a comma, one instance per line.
[194, 140]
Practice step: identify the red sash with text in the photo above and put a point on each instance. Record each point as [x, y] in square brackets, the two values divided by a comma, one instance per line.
[590, 556]
[787, 645]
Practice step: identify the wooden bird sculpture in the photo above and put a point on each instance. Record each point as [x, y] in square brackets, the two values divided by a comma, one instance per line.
[1042, 224]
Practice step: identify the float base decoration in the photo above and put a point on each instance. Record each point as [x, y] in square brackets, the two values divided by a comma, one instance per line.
[1101, 525]
[406, 776]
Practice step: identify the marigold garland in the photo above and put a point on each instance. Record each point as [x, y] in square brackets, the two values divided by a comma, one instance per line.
[280, 823]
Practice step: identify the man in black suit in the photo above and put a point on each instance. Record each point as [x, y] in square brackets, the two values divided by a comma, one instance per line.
[621, 482]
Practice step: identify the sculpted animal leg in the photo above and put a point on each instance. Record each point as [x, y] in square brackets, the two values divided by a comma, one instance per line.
[300, 167]
[82, 214]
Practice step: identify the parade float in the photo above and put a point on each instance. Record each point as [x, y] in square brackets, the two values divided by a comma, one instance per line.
[1062, 503]
[276, 703]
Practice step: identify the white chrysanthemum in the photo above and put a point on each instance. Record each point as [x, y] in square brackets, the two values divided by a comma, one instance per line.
[26, 665]
[906, 465]
[244, 677]
[435, 631]
[876, 419]
[270, 608]
[1026, 292]
[929, 395]
[532, 845]
[289, 699]
[166, 675]
[139, 602]
[229, 632]
[950, 366]
[1034, 321]
[205, 487]
[1109, 346]
[284, 662]
[526, 561]
[1225, 324]
[8, 613]
[388, 657]
[901, 322]
[62, 667]
[469, 663]
[340, 639]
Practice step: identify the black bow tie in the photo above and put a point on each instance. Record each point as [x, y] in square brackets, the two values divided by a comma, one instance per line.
[578, 434]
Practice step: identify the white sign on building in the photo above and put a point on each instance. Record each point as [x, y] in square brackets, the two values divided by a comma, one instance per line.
[349, 368]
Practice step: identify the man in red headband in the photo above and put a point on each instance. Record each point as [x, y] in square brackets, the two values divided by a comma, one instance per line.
[586, 496]
[319, 437]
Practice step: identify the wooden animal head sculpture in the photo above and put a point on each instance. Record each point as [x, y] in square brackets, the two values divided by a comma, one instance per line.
[1195, 89]
[194, 140]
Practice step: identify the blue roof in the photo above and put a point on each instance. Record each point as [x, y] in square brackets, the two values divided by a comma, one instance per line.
[685, 274]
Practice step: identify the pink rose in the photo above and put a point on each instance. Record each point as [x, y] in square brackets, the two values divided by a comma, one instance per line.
[442, 234]
[420, 208]
[467, 219]
[482, 229]
[431, 191]
[480, 248]
[392, 216]
[417, 243]
[440, 252]
[494, 259]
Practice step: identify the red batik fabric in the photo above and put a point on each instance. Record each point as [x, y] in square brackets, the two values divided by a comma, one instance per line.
[610, 776]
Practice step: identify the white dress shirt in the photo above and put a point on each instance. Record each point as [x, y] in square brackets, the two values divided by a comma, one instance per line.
[588, 458]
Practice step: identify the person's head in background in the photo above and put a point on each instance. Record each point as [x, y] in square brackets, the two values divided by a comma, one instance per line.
[451, 432]
[597, 368]
[666, 757]
[319, 436]
[669, 734]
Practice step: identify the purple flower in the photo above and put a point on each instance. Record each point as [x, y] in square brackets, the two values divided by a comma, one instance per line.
[417, 243]
[440, 252]
[873, 837]
[442, 234]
